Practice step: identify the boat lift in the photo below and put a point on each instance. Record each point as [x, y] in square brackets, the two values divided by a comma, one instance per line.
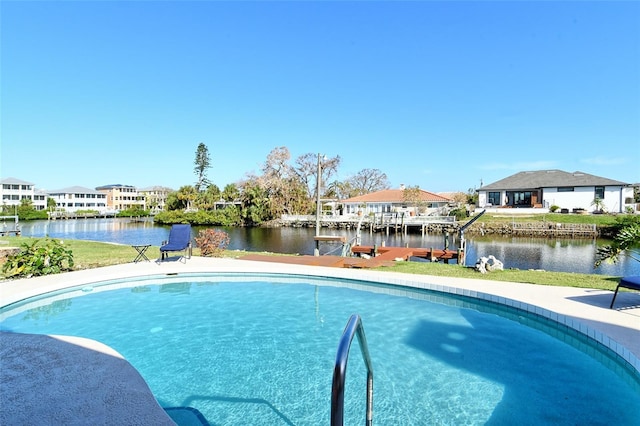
[5, 231]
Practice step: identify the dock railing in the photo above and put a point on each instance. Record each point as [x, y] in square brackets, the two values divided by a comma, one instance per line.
[5, 230]
[555, 229]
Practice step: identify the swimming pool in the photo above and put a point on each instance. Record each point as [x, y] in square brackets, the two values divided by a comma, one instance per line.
[260, 349]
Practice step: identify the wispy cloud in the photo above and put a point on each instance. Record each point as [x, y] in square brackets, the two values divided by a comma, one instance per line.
[604, 161]
[520, 166]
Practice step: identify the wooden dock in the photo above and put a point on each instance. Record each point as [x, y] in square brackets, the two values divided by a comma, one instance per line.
[375, 257]
[8, 233]
[379, 222]
[62, 215]
[331, 261]
[380, 255]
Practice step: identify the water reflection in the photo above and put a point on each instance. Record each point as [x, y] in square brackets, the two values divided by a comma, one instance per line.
[46, 312]
[552, 254]
[121, 231]
[568, 255]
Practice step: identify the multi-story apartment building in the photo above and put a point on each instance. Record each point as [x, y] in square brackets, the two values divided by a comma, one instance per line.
[155, 197]
[13, 191]
[103, 199]
[40, 199]
[77, 198]
[122, 197]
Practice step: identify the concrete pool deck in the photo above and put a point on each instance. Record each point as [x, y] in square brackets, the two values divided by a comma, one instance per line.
[24, 398]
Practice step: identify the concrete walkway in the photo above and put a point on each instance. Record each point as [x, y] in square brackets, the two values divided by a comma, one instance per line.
[582, 309]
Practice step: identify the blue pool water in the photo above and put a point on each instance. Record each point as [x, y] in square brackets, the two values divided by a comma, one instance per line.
[261, 349]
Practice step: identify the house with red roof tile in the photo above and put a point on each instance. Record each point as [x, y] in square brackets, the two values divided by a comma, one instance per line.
[399, 200]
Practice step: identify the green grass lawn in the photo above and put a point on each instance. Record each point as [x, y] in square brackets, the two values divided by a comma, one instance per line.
[567, 279]
[93, 254]
[506, 217]
[90, 254]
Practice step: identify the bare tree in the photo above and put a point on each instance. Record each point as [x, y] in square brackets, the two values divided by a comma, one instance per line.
[276, 166]
[368, 180]
[285, 191]
[338, 189]
[413, 196]
[307, 170]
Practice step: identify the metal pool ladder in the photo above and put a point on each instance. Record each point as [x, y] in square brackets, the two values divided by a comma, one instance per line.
[354, 327]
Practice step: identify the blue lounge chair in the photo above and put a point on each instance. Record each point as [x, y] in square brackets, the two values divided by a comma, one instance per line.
[632, 283]
[179, 240]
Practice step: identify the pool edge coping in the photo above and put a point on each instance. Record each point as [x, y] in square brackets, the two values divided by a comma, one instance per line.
[617, 330]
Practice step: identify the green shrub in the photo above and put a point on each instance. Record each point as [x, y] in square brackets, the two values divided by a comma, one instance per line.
[212, 242]
[30, 214]
[460, 213]
[34, 259]
[554, 208]
[170, 217]
[133, 212]
[229, 216]
[232, 216]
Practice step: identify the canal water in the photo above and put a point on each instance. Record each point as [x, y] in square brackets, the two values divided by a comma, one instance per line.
[551, 254]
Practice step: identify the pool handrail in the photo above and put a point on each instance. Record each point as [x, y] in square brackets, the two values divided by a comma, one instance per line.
[353, 327]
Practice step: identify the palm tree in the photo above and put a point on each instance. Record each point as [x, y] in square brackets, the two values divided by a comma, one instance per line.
[598, 204]
[626, 241]
[187, 194]
[51, 204]
[230, 192]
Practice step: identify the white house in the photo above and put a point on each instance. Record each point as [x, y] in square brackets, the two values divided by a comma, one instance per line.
[14, 190]
[77, 198]
[539, 190]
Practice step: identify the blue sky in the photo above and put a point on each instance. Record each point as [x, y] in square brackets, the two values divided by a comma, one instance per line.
[442, 95]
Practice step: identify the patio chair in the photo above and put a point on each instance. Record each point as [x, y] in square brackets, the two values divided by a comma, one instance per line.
[179, 240]
[632, 283]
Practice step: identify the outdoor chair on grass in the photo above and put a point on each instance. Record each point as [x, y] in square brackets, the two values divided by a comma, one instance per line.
[632, 283]
[179, 240]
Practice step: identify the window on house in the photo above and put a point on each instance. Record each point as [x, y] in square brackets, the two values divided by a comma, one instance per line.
[565, 189]
[599, 192]
[494, 198]
[522, 198]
